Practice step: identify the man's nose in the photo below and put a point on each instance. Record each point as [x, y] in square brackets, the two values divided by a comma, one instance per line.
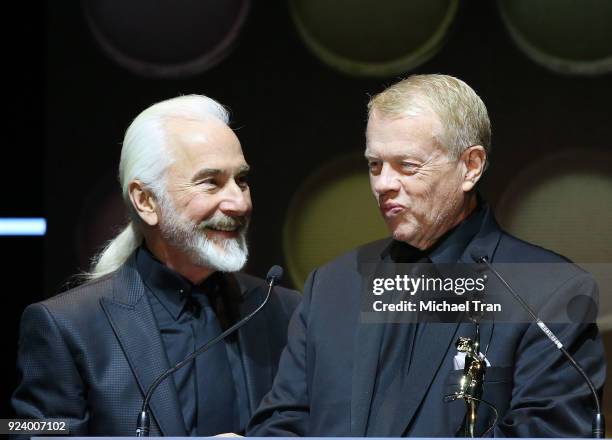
[386, 181]
[236, 200]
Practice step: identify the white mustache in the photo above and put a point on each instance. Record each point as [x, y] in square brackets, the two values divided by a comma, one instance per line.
[223, 221]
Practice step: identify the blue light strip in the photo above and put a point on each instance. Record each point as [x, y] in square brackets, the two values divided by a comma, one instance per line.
[13, 227]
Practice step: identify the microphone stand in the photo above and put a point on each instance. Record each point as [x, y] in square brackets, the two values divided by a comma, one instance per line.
[143, 423]
[599, 424]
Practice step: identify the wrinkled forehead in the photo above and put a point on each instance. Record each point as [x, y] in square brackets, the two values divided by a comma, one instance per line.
[395, 135]
[190, 139]
[197, 146]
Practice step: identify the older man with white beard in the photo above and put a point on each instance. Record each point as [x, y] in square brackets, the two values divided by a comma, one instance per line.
[163, 287]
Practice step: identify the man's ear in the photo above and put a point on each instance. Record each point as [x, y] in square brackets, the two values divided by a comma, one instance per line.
[144, 202]
[474, 160]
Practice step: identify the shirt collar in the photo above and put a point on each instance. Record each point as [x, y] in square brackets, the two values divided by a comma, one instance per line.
[170, 288]
[450, 247]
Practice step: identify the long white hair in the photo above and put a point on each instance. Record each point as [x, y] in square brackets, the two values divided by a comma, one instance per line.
[144, 156]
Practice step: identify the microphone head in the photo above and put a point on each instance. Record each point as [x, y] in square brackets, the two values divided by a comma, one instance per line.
[478, 255]
[274, 274]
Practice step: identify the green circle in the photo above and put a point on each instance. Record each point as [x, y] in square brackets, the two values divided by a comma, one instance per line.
[332, 212]
[373, 37]
[564, 203]
[566, 36]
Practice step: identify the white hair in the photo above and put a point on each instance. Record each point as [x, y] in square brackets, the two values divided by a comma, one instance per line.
[144, 156]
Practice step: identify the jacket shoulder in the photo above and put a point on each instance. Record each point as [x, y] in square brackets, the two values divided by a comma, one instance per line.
[513, 249]
[535, 266]
[80, 300]
[368, 253]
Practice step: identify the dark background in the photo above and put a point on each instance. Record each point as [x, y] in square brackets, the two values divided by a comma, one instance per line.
[69, 104]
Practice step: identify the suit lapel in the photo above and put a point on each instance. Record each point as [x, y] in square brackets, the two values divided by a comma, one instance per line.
[485, 242]
[253, 336]
[366, 353]
[132, 320]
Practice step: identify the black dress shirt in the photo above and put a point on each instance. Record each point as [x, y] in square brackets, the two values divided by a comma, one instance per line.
[399, 339]
[212, 388]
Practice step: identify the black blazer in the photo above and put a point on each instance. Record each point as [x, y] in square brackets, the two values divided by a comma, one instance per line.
[327, 374]
[90, 353]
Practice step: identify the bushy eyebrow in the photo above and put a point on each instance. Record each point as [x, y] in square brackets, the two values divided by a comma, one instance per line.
[368, 155]
[206, 172]
[244, 169]
[211, 172]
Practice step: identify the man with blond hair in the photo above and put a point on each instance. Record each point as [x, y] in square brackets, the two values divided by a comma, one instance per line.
[166, 285]
[428, 141]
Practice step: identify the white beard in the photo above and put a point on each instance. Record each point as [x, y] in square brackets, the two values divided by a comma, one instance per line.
[225, 255]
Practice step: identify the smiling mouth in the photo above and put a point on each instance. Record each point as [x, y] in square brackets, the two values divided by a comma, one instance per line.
[222, 233]
[219, 228]
[224, 226]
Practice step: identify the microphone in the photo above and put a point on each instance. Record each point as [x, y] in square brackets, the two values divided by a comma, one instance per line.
[599, 424]
[143, 423]
[274, 274]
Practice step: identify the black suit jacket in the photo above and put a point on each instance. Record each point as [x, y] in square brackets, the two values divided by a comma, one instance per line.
[327, 374]
[89, 354]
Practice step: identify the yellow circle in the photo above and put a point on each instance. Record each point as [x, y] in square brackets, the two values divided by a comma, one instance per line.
[332, 212]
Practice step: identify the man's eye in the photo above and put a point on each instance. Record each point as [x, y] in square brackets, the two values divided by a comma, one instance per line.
[208, 182]
[373, 165]
[409, 166]
[242, 181]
